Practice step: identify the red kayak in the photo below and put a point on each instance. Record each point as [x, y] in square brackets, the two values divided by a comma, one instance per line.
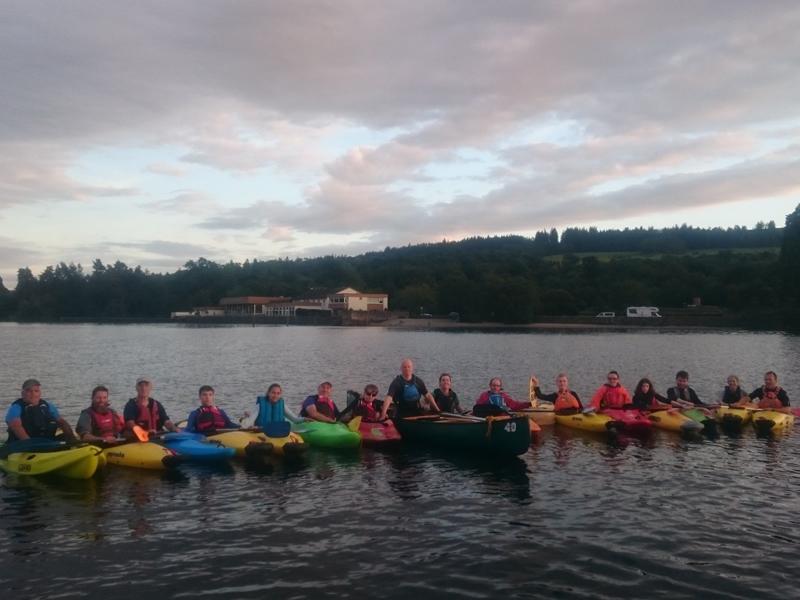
[632, 421]
[375, 434]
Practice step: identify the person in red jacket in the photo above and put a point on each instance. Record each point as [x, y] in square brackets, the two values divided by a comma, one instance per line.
[497, 397]
[99, 422]
[611, 394]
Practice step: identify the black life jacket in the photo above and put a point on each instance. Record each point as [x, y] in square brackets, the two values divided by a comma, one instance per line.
[37, 421]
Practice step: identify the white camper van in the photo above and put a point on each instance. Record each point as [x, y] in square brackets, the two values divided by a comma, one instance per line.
[642, 311]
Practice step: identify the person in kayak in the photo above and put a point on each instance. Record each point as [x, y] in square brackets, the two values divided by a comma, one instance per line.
[733, 394]
[645, 397]
[99, 422]
[319, 406]
[681, 395]
[365, 406]
[208, 417]
[611, 394]
[565, 401]
[770, 395]
[146, 412]
[446, 397]
[270, 407]
[496, 397]
[31, 416]
[408, 394]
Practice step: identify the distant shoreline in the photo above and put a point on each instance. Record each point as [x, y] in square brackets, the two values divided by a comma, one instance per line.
[552, 324]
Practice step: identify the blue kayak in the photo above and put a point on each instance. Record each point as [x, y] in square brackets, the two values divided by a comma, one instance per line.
[195, 447]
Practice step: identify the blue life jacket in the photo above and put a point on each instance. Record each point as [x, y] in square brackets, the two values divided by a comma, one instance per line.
[497, 400]
[411, 392]
[269, 412]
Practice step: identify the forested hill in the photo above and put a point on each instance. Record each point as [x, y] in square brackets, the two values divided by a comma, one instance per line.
[511, 279]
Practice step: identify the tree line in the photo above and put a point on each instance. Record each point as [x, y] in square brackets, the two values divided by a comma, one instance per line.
[510, 279]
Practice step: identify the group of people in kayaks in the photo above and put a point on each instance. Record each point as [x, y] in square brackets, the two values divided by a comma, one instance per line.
[31, 416]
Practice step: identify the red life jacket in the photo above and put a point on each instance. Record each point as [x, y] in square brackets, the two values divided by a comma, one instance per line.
[106, 425]
[325, 406]
[770, 399]
[148, 416]
[209, 418]
[566, 401]
[366, 410]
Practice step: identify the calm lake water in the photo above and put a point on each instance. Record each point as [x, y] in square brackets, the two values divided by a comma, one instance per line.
[575, 517]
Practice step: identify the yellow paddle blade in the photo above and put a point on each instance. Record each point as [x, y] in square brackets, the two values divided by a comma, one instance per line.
[354, 424]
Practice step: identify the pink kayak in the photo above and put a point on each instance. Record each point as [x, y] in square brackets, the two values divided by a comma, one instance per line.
[375, 434]
[632, 421]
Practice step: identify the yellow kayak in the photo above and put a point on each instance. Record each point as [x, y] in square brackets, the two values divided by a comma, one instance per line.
[586, 421]
[542, 414]
[772, 421]
[291, 444]
[75, 463]
[247, 444]
[673, 420]
[733, 417]
[141, 455]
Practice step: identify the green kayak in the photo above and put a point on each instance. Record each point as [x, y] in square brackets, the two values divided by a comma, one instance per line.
[709, 424]
[327, 435]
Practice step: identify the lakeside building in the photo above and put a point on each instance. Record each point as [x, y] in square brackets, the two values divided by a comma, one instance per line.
[345, 301]
[350, 299]
[246, 306]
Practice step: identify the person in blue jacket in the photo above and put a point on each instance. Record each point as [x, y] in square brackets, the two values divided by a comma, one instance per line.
[32, 416]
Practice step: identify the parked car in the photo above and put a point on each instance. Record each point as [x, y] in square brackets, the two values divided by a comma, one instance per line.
[606, 315]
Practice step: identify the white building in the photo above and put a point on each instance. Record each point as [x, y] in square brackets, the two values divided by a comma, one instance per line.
[350, 299]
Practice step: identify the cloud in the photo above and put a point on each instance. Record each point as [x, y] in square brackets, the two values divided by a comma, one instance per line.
[169, 170]
[185, 201]
[371, 112]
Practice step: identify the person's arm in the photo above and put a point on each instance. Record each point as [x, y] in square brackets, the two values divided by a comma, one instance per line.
[660, 401]
[432, 402]
[15, 426]
[695, 399]
[387, 402]
[66, 429]
[597, 399]
[228, 423]
[165, 420]
[551, 397]
[483, 398]
[456, 404]
[314, 414]
[784, 398]
[191, 422]
[513, 404]
[83, 429]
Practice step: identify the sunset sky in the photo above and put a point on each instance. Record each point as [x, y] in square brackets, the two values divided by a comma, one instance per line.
[158, 132]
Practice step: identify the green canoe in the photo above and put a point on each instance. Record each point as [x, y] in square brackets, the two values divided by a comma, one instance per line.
[500, 436]
[327, 435]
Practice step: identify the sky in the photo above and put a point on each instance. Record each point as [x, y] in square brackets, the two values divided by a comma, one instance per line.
[157, 132]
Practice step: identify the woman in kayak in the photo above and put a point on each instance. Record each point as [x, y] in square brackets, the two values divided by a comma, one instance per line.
[733, 394]
[208, 417]
[645, 397]
[497, 398]
[565, 401]
[445, 396]
[611, 394]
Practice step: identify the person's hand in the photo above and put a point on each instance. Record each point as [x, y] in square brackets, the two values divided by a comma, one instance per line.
[535, 381]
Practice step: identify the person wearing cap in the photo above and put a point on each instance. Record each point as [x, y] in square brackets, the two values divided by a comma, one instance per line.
[99, 423]
[208, 417]
[319, 406]
[145, 411]
[33, 417]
